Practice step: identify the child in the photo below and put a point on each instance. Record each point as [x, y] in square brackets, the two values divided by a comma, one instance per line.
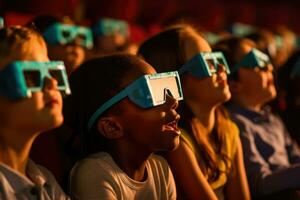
[65, 41]
[271, 157]
[30, 103]
[208, 163]
[111, 36]
[69, 43]
[123, 122]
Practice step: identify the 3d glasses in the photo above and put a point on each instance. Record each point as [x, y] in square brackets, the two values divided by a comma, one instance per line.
[296, 69]
[205, 64]
[253, 59]
[20, 78]
[106, 27]
[65, 34]
[1, 22]
[147, 91]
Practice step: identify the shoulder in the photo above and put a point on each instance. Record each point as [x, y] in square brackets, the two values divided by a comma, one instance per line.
[243, 124]
[5, 187]
[100, 163]
[231, 138]
[233, 131]
[51, 185]
[43, 171]
[158, 164]
[158, 160]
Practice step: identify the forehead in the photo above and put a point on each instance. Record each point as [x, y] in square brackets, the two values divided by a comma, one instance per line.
[34, 49]
[140, 69]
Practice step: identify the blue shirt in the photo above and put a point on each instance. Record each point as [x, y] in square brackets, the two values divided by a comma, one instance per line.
[272, 158]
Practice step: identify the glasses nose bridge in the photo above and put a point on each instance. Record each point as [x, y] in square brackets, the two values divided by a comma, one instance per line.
[170, 100]
[47, 80]
[70, 35]
[221, 67]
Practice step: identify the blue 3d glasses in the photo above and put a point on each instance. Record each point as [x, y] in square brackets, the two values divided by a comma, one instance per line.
[20, 78]
[296, 70]
[106, 27]
[147, 91]
[253, 59]
[205, 64]
[1, 22]
[63, 34]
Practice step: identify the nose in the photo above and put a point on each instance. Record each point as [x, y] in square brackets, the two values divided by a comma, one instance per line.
[270, 67]
[221, 68]
[49, 84]
[76, 42]
[171, 102]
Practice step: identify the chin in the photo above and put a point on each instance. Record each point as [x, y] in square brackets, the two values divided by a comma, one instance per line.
[173, 145]
[272, 94]
[54, 122]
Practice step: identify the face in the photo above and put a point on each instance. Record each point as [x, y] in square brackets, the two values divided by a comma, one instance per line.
[43, 110]
[73, 55]
[151, 129]
[109, 44]
[213, 90]
[256, 84]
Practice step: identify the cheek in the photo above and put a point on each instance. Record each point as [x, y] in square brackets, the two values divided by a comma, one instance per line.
[56, 52]
[195, 88]
[25, 107]
[267, 80]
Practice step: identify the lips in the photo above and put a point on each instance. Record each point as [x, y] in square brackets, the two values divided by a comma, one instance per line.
[51, 100]
[52, 103]
[172, 127]
[222, 82]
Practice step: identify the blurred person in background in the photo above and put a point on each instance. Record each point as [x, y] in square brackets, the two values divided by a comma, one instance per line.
[272, 157]
[111, 36]
[65, 40]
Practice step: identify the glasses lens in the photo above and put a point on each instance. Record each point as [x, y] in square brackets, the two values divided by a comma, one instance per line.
[66, 34]
[58, 76]
[82, 37]
[161, 87]
[32, 78]
[211, 65]
[221, 61]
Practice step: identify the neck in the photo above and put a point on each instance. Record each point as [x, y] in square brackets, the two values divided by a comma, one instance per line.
[246, 103]
[205, 114]
[14, 149]
[131, 160]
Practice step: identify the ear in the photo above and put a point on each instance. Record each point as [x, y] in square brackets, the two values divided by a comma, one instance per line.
[110, 128]
[235, 87]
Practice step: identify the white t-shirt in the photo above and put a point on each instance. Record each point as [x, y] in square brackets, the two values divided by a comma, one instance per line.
[99, 177]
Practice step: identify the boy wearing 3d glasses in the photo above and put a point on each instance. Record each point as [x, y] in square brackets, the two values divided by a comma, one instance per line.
[272, 158]
[124, 112]
[1, 22]
[30, 103]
